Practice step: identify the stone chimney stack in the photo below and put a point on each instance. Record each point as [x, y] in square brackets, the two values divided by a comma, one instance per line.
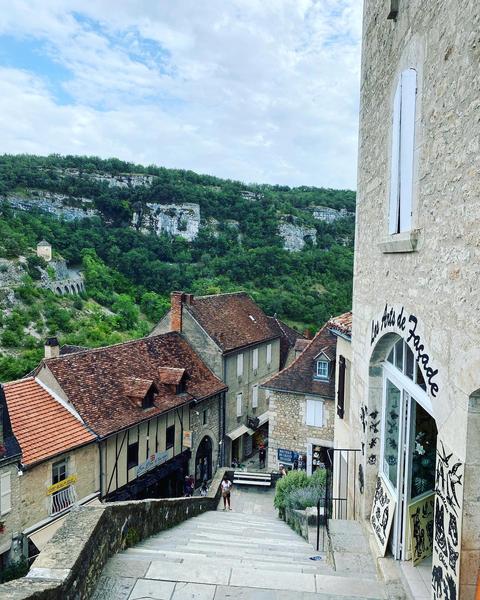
[52, 348]
[176, 301]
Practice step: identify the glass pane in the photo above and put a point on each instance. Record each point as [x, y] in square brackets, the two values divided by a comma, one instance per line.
[392, 432]
[419, 378]
[399, 355]
[390, 357]
[423, 452]
[409, 363]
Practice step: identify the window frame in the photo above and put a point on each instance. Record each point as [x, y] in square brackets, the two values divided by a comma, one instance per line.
[269, 354]
[5, 496]
[131, 462]
[58, 465]
[240, 364]
[323, 362]
[318, 412]
[170, 437]
[255, 359]
[239, 399]
[255, 395]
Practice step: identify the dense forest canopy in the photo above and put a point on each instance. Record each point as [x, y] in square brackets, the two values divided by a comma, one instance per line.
[131, 273]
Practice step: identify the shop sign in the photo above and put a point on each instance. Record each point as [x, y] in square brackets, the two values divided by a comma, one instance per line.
[187, 439]
[286, 456]
[61, 485]
[154, 460]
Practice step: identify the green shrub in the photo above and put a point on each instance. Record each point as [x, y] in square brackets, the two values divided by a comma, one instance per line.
[292, 481]
[302, 498]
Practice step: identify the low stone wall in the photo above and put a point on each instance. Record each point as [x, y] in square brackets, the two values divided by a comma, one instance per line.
[72, 561]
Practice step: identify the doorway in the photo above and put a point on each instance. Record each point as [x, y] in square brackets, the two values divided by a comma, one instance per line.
[408, 455]
[203, 461]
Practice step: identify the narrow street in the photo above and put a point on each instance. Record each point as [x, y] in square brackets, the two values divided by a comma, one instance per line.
[247, 554]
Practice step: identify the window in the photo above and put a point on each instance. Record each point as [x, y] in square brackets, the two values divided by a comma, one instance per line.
[149, 398]
[314, 416]
[240, 364]
[390, 451]
[239, 404]
[170, 436]
[403, 145]
[341, 387]
[5, 494]
[255, 359]
[205, 417]
[322, 369]
[269, 354]
[255, 396]
[59, 471]
[132, 455]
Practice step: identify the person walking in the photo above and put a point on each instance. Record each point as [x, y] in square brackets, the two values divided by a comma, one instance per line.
[261, 456]
[226, 489]
[187, 487]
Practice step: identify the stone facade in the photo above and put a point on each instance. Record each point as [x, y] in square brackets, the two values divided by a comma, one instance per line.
[288, 428]
[10, 541]
[427, 275]
[205, 421]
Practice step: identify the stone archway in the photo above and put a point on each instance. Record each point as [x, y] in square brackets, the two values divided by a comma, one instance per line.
[204, 460]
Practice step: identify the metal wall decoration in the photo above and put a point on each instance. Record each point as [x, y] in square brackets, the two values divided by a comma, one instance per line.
[420, 515]
[381, 518]
[447, 524]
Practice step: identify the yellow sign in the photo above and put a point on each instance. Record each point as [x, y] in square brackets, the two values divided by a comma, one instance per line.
[187, 439]
[61, 485]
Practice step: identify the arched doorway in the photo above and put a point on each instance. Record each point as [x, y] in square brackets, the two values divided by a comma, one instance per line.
[203, 461]
[407, 445]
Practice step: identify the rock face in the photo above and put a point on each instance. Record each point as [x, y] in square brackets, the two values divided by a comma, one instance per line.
[295, 236]
[60, 205]
[325, 213]
[174, 219]
[11, 273]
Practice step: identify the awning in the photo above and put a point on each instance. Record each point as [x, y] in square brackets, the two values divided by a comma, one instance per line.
[40, 537]
[236, 433]
[262, 419]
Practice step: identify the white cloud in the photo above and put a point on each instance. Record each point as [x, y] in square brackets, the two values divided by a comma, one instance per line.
[258, 90]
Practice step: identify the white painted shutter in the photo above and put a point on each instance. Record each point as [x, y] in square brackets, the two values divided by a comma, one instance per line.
[310, 418]
[239, 404]
[395, 164]
[269, 354]
[255, 358]
[407, 146]
[239, 364]
[318, 414]
[255, 396]
[5, 494]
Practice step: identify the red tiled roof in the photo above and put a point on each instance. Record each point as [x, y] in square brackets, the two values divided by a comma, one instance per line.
[94, 380]
[232, 320]
[288, 338]
[171, 375]
[299, 376]
[136, 387]
[342, 323]
[42, 426]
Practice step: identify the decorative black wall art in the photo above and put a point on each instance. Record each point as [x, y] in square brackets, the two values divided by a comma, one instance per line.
[447, 524]
[421, 528]
[381, 518]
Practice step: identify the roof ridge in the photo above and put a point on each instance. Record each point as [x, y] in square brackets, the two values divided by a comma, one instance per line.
[222, 294]
[21, 380]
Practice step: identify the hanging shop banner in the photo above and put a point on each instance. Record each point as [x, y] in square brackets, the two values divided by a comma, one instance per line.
[61, 485]
[420, 517]
[187, 439]
[154, 460]
[381, 518]
[447, 524]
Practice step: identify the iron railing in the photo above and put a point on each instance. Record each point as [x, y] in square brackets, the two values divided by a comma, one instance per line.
[62, 499]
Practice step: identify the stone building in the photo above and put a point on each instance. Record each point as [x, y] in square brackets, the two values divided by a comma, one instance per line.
[415, 391]
[302, 407]
[57, 469]
[137, 398]
[44, 250]
[243, 347]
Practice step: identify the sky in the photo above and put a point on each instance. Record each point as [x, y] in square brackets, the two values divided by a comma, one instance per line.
[260, 91]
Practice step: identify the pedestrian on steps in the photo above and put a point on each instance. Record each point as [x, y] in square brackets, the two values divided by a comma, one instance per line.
[226, 488]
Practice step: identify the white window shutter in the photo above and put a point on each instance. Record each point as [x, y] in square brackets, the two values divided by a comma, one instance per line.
[310, 417]
[319, 414]
[269, 354]
[5, 494]
[255, 396]
[239, 364]
[239, 404]
[255, 358]
[407, 146]
[395, 164]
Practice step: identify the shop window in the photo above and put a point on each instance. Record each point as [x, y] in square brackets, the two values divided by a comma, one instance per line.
[132, 455]
[239, 404]
[409, 362]
[390, 452]
[170, 437]
[399, 355]
[314, 413]
[255, 396]
[322, 369]
[5, 494]
[403, 145]
[402, 357]
[239, 364]
[59, 471]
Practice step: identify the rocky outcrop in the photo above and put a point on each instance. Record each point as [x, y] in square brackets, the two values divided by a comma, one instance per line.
[123, 180]
[60, 205]
[325, 213]
[295, 235]
[11, 273]
[174, 219]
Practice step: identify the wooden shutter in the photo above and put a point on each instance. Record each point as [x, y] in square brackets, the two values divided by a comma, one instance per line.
[341, 387]
[269, 354]
[407, 146]
[5, 494]
[318, 413]
[255, 359]
[310, 416]
[255, 396]
[239, 404]
[239, 365]
[393, 217]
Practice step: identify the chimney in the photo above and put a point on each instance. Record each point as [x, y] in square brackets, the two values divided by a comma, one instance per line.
[176, 301]
[52, 348]
[189, 299]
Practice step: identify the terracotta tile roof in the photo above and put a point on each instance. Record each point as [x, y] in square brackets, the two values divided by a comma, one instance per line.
[299, 376]
[42, 426]
[93, 380]
[170, 375]
[288, 338]
[342, 323]
[136, 387]
[232, 320]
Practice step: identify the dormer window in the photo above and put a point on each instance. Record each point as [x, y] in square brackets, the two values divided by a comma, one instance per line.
[141, 391]
[174, 378]
[322, 369]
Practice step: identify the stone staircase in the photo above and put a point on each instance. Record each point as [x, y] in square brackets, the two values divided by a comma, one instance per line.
[234, 555]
